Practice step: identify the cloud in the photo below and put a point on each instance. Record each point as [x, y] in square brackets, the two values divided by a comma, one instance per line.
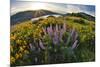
[56, 7]
[73, 8]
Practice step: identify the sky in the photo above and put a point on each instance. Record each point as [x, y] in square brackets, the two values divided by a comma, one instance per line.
[18, 6]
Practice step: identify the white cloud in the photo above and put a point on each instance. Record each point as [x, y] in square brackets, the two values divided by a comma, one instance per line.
[60, 8]
[73, 8]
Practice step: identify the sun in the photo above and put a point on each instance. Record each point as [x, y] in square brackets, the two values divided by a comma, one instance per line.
[37, 6]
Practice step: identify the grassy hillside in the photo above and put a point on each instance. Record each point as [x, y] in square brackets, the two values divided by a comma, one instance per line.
[53, 40]
[28, 15]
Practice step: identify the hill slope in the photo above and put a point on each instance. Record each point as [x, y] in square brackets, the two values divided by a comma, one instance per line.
[83, 15]
[27, 15]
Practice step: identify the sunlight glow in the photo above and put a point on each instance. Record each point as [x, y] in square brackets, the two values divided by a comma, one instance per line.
[37, 6]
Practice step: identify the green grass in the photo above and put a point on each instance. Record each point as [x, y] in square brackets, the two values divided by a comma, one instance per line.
[24, 33]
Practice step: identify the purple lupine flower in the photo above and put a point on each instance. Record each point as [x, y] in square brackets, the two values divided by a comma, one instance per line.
[41, 44]
[62, 31]
[76, 35]
[50, 31]
[75, 44]
[72, 32]
[31, 47]
[61, 34]
[51, 26]
[55, 38]
[56, 33]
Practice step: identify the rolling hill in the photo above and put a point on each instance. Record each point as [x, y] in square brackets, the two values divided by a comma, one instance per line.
[83, 15]
[27, 15]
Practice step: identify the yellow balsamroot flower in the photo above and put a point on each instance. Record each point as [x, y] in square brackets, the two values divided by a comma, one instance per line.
[25, 42]
[38, 26]
[37, 29]
[17, 56]
[13, 37]
[21, 49]
[20, 55]
[45, 23]
[40, 31]
[26, 51]
[11, 48]
[39, 35]
[12, 60]
[18, 41]
[28, 33]
[23, 46]
[29, 27]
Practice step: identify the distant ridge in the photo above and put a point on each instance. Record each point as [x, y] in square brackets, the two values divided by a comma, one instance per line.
[83, 15]
[27, 15]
